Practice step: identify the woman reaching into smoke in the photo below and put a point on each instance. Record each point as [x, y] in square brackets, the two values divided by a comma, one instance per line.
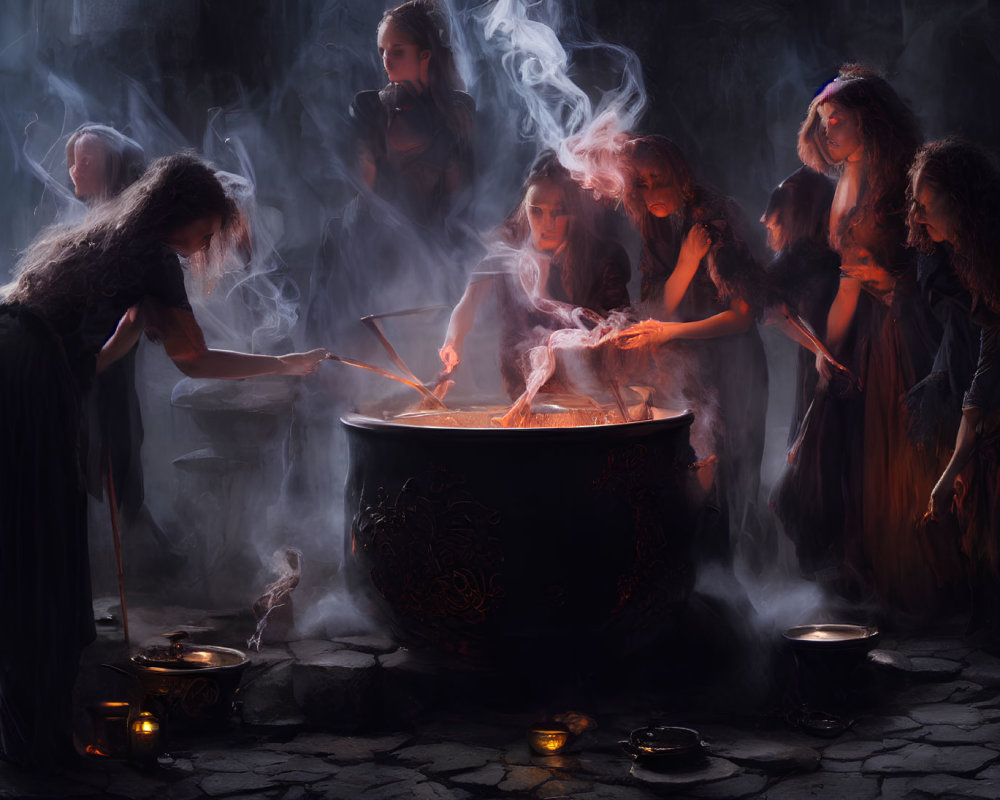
[81, 297]
[859, 130]
[551, 268]
[955, 201]
[700, 277]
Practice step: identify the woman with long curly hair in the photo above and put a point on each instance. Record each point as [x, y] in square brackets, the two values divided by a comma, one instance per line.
[702, 282]
[858, 130]
[955, 203]
[553, 268]
[81, 297]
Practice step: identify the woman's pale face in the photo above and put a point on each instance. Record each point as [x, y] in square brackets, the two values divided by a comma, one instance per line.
[403, 60]
[933, 211]
[775, 233]
[546, 209]
[88, 168]
[842, 131]
[195, 236]
[656, 187]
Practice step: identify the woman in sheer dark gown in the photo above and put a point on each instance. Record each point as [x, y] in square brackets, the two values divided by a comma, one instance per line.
[698, 274]
[858, 129]
[955, 203]
[81, 297]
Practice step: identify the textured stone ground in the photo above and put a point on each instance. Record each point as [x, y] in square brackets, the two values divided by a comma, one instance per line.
[362, 718]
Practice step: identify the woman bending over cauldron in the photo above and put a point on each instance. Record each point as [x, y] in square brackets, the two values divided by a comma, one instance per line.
[700, 278]
[81, 297]
[858, 130]
[955, 202]
[552, 270]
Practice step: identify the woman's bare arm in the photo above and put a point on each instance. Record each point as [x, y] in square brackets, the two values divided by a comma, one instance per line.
[185, 345]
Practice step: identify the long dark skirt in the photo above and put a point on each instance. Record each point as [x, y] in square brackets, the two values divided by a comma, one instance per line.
[45, 589]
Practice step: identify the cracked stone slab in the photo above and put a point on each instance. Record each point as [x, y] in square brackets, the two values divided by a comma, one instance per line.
[935, 669]
[829, 787]
[300, 764]
[746, 785]
[983, 669]
[490, 775]
[560, 789]
[988, 735]
[715, 769]
[447, 756]
[859, 749]
[853, 767]
[343, 748]
[523, 779]
[373, 643]
[946, 714]
[412, 790]
[366, 776]
[228, 783]
[236, 760]
[940, 786]
[916, 759]
[269, 699]
[953, 691]
[603, 791]
[877, 727]
[309, 649]
[767, 754]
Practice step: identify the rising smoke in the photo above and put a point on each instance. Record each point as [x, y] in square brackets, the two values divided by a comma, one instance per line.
[264, 91]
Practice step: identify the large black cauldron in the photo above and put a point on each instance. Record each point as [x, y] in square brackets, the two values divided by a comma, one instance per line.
[482, 541]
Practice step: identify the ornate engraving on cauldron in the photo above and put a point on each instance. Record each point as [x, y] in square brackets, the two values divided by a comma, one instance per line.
[432, 554]
[572, 542]
[660, 575]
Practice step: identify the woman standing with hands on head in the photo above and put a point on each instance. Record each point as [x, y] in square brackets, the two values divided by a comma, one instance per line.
[81, 297]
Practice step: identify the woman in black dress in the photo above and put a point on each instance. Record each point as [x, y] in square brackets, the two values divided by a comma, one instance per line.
[955, 203]
[699, 278]
[81, 297]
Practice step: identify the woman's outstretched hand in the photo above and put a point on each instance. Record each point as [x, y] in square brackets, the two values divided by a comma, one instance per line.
[303, 363]
[646, 334]
[449, 357]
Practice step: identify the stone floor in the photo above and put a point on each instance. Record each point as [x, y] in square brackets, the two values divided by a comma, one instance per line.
[363, 718]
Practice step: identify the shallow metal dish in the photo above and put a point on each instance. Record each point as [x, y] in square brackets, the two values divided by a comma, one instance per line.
[827, 637]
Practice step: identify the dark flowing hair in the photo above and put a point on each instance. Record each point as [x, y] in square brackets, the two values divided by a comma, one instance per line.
[889, 135]
[124, 159]
[586, 226]
[801, 204]
[425, 25]
[967, 177]
[135, 226]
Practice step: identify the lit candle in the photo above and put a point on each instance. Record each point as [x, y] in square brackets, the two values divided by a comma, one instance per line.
[144, 737]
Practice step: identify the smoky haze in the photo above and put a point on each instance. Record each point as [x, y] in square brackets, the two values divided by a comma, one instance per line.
[262, 89]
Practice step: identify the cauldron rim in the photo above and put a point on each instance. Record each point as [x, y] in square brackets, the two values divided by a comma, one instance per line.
[613, 430]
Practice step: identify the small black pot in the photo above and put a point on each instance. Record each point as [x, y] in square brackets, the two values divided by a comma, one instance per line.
[665, 747]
